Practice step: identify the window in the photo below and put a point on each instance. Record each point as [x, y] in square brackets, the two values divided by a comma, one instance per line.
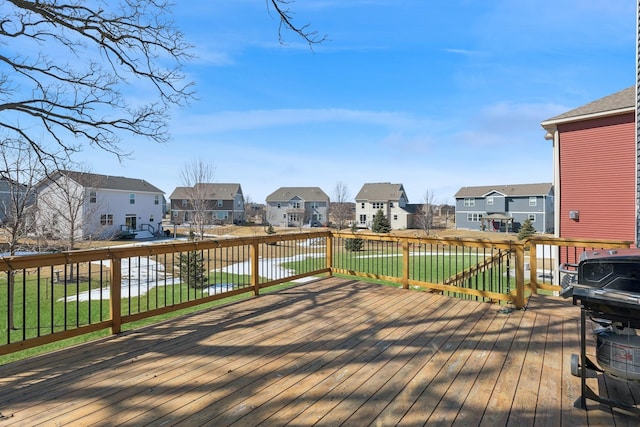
[469, 202]
[93, 196]
[222, 215]
[532, 217]
[295, 205]
[395, 217]
[315, 205]
[377, 205]
[363, 219]
[156, 200]
[220, 202]
[132, 199]
[390, 204]
[184, 203]
[489, 201]
[174, 214]
[278, 205]
[362, 206]
[474, 217]
[294, 218]
[106, 219]
[533, 201]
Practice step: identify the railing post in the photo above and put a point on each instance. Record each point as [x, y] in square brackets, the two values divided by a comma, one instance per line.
[405, 264]
[519, 302]
[329, 254]
[116, 295]
[533, 266]
[255, 268]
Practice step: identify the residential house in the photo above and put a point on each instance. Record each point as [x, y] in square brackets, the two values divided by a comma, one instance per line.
[505, 207]
[219, 203]
[87, 205]
[15, 199]
[297, 207]
[595, 168]
[390, 198]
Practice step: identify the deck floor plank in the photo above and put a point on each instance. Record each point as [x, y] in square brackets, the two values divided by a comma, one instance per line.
[474, 407]
[331, 352]
[364, 384]
[252, 374]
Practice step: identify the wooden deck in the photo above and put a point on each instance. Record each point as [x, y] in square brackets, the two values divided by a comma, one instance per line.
[330, 352]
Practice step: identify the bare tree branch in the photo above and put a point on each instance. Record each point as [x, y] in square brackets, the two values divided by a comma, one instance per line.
[67, 70]
[286, 23]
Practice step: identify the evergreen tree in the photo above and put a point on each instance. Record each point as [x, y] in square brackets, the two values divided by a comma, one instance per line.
[192, 269]
[380, 223]
[355, 244]
[526, 230]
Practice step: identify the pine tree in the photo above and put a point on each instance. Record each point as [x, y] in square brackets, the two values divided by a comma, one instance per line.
[192, 269]
[526, 230]
[355, 244]
[380, 223]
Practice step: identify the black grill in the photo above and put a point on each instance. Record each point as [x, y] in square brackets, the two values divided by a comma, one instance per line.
[606, 286]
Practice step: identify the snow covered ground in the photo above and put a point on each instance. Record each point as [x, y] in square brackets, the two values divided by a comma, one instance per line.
[140, 275]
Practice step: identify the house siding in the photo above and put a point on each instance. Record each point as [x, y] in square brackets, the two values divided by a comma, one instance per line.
[510, 200]
[297, 207]
[597, 166]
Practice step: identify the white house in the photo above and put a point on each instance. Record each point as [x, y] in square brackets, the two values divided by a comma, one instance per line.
[390, 198]
[86, 205]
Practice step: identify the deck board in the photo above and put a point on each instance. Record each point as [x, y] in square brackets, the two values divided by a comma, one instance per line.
[331, 352]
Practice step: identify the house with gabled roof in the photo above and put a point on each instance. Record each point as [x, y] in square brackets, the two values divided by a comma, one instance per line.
[505, 207]
[390, 198]
[87, 205]
[297, 207]
[595, 168]
[217, 203]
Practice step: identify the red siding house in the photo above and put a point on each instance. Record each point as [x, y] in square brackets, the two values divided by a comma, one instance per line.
[595, 162]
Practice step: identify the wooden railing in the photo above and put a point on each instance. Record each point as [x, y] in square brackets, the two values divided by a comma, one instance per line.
[51, 297]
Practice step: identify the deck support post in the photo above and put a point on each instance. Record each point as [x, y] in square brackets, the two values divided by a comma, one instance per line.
[405, 264]
[255, 279]
[116, 295]
[329, 254]
[519, 267]
[533, 266]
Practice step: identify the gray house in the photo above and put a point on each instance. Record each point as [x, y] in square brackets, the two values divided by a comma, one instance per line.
[218, 203]
[297, 206]
[505, 207]
[15, 199]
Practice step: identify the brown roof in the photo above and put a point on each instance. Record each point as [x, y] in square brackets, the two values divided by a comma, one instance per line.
[541, 189]
[309, 194]
[92, 180]
[381, 192]
[623, 101]
[216, 191]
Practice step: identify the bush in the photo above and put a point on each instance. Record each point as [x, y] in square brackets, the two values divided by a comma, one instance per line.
[355, 244]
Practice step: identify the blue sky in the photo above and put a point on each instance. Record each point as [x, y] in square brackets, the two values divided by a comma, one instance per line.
[435, 95]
